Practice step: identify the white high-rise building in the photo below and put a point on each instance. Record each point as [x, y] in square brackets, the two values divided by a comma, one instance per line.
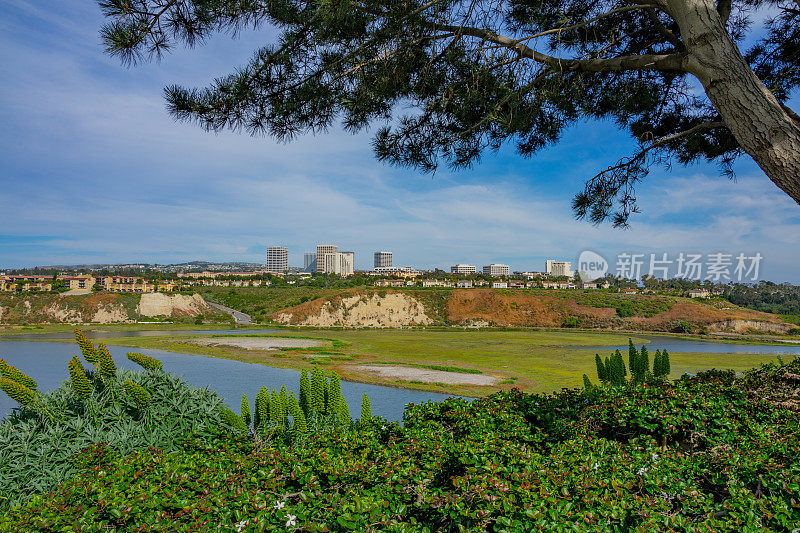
[309, 262]
[322, 250]
[463, 269]
[559, 268]
[340, 263]
[277, 259]
[496, 270]
[347, 262]
[383, 259]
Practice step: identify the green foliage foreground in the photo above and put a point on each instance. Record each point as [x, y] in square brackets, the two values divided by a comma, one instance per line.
[707, 453]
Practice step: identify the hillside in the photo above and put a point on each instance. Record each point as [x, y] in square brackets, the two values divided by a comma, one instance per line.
[526, 308]
[102, 308]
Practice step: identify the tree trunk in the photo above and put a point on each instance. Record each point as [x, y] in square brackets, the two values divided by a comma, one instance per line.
[762, 126]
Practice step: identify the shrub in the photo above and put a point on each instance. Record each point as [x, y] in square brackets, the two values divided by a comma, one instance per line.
[711, 453]
[37, 452]
[570, 322]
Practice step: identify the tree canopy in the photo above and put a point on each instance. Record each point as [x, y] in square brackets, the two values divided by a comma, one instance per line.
[449, 79]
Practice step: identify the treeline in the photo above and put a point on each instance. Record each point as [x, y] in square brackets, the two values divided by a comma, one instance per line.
[782, 299]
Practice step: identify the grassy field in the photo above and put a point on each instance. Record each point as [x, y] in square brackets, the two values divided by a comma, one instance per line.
[537, 361]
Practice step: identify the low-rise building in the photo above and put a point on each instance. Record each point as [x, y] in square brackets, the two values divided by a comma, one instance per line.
[464, 284]
[463, 270]
[436, 283]
[389, 283]
[79, 282]
[527, 275]
[699, 293]
[23, 283]
[516, 284]
[499, 285]
[496, 270]
[401, 272]
[124, 284]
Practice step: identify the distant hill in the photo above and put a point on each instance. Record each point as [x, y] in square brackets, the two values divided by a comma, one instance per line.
[524, 308]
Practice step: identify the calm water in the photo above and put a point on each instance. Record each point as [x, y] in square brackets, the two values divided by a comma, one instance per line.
[676, 344]
[46, 362]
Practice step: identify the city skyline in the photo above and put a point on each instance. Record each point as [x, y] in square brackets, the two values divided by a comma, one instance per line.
[181, 194]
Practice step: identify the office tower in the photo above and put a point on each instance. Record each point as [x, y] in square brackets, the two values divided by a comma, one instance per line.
[277, 259]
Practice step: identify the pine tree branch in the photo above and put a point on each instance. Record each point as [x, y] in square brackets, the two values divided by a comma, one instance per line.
[662, 62]
[671, 37]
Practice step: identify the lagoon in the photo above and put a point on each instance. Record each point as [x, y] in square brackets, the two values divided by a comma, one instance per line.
[46, 362]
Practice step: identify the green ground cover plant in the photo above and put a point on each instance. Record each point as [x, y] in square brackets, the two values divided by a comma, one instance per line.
[713, 452]
[113, 413]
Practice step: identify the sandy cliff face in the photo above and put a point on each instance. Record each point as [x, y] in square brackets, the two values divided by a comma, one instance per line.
[99, 308]
[748, 326]
[485, 307]
[360, 310]
[160, 304]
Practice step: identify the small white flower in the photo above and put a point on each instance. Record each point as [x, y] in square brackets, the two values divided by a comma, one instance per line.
[383, 427]
[279, 504]
[654, 457]
[290, 522]
[596, 466]
[642, 471]
[240, 526]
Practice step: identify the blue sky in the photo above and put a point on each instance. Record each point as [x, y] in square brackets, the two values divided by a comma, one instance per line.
[93, 170]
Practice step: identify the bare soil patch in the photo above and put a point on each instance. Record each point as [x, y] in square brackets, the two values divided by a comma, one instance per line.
[428, 376]
[258, 343]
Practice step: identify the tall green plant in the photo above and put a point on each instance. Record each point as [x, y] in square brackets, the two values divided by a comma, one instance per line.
[245, 412]
[317, 390]
[11, 372]
[644, 364]
[299, 419]
[343, 411]
[77, 376]
[366, 408]
[261, 412]
[633, 360]
[87, 348]
[105, 363]
[305, 392]
[602, 372]
[146, 362]
[17, 391]
[138, 393]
